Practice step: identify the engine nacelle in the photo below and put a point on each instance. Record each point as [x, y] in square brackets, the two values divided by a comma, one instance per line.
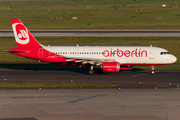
[110, 66]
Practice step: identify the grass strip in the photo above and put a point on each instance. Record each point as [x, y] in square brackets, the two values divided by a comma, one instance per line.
[92, 14]
[56, 85]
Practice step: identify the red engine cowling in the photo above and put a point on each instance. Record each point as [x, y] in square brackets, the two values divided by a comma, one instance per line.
[110, 66]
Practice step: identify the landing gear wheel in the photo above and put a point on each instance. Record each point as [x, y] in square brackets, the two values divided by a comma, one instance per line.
[91, 72]
[153, 72]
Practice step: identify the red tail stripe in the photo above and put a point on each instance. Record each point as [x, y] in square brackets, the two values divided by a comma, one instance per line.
[15, 21]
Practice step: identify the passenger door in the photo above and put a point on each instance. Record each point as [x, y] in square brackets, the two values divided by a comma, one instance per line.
[151, 54]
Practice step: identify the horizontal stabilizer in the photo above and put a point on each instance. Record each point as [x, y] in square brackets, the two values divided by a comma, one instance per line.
[17, 51]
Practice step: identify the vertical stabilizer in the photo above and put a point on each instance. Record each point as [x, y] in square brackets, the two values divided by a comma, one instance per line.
[22, 35]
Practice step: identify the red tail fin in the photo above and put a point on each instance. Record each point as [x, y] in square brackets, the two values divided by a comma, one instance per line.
[22, 35]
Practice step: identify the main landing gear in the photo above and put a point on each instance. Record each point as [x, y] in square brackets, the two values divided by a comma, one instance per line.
[153, 70]
[91, 71]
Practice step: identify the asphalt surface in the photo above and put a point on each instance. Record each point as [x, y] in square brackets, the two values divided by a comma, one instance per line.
[90, 104]
[126, 79]
[97, 33]
[142, 96]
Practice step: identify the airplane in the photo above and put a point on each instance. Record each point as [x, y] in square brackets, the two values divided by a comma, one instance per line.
[103, 58]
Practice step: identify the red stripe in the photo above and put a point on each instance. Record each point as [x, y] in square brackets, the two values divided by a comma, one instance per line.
[15, 21]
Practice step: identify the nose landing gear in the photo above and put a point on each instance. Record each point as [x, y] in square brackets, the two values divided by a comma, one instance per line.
[153, 70]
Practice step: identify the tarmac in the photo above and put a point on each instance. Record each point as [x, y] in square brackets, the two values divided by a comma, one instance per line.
[90, 104]
[127, 79]
[142, 96]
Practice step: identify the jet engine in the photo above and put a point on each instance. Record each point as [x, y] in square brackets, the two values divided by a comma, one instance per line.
[110, 66]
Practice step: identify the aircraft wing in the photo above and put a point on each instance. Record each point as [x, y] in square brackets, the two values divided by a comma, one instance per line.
[87, 60]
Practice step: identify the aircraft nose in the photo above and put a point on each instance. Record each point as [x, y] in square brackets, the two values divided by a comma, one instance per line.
[173, 59]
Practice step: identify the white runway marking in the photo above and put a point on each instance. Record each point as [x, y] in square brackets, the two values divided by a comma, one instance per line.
[139, 75]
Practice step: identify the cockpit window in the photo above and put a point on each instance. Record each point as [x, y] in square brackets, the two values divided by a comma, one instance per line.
[164, 53]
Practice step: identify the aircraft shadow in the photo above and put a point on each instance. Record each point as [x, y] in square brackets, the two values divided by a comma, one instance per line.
[48, 67]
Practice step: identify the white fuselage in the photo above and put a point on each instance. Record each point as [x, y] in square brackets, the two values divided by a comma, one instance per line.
[128, 55]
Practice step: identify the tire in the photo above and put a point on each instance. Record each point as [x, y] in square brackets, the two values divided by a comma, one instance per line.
[153, 72]
[91, 72]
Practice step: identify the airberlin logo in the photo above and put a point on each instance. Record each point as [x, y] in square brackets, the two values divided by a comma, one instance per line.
[126, 53]
[21, 33]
